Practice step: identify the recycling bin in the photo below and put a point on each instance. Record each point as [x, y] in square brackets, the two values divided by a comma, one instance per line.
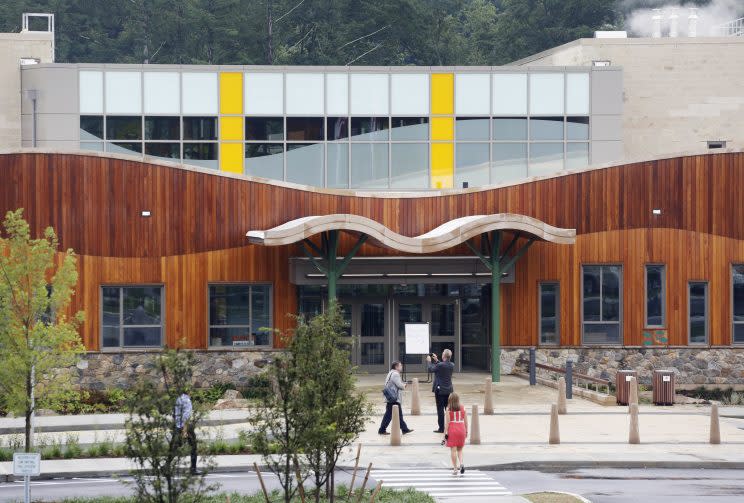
[663, 382]
[622, 385]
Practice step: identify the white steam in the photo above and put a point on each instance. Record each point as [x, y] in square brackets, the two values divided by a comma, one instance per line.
[638, 22]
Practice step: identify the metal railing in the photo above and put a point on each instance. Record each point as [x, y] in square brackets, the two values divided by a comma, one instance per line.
[733, 28]
[569, 373]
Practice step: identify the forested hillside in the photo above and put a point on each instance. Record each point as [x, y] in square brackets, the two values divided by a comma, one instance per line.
[313, 32]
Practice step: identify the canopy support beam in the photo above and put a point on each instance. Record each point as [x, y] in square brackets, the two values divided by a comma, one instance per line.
[498, 264]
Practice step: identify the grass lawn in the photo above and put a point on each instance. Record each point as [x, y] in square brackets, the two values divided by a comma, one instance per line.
[550, 498]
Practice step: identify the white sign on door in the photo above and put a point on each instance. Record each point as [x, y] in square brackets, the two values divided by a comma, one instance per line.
[26, 464]
[666, 378]
[417, 338]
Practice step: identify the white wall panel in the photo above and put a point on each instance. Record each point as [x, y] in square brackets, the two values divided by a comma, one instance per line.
[123, 93]
[509, 94]
[369, 94]
[337, 94]
[162, 93]
[200, 93]
[409, 94]
[472, 93]
[305, 93]
[577, 94]
[546, 93]
[91, 92]
[264, 93]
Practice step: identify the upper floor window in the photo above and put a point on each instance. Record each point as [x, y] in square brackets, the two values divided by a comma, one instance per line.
[549, 313]
[602, 287]
[237, 315]
[655, 295]
[737, 283]
[132, 316]
[697, 299]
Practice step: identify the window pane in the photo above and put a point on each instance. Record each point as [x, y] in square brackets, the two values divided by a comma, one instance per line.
[373, 353]
[577, 93]
[548, 313]
[546, 128]
[199, 93]
[124, 148]
[611, 293]
[231, 337]
[305, 129]
[91, 92]
[369, 94]
[305, 94]
[91, 127]
[110, 337]
[123, 128]
[373, 320]
[546, 93]
[265, 160]
[472, 93]
[474, 319]
[510, 94]
[142, 336]
[337, 94]
[410, 128]
[577, 128]
[443, 320]
[200, 154]
[162, 93]
[123, 93]
[409, 94]
[369, 165]
[508, 162]
[164, 150]
[591, 293]
[471, 128]
[264, 128]
[545, 158]
[410, 167]
[577, 155]
[471, 164]
[200, 128]
[738, 281]
[229, 305]
[305, 163]
[338, 128]
[261, 306]
[162, 128]
[338, 165]
[698, 321]
[142, 305]
[369, 128]
[739, 333]
[509, 128]
[264, 93]
[601, 333]
[94, 146]
[111, 307]
[439, 347]
[654, 295]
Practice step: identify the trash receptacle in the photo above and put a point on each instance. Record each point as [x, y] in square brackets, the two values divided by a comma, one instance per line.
[663, 387]
[622, 385]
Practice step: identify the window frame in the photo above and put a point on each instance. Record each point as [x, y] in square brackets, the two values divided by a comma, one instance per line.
[646, 324]
[250, 284]
[121, 346]
[621, 306]
[707, 314]
[734, 265]
[557, 285]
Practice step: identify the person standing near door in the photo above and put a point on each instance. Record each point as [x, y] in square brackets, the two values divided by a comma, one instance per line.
[393, 385]
[442, 386]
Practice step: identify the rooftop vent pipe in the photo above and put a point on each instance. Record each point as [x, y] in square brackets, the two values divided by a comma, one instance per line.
[673, 24]
[692, 23]
[656, 23]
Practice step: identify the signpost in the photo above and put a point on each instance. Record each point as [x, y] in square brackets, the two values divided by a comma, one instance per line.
[26, 465]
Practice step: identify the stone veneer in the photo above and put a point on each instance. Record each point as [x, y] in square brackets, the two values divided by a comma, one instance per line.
[98, 371]
[716, 366]
[720, 366]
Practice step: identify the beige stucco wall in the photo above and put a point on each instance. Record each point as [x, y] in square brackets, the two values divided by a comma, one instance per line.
[13, 47]
[677, 93]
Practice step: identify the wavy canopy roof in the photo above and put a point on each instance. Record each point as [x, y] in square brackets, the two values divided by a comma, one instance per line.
[447, 235]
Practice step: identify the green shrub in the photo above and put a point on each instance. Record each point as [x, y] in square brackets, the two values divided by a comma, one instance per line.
[6, 454]
[258, 387]
[210, 395]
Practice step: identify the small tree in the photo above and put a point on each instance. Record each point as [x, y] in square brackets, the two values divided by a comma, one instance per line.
[336, 413]
[152, 440]
[37, 338]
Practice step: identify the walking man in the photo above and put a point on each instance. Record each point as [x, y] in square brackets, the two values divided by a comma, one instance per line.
[395, 384]
[185, 428]
[442, 386]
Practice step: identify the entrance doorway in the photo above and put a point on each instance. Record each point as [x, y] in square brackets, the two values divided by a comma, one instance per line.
[367, 321]
[443, 316]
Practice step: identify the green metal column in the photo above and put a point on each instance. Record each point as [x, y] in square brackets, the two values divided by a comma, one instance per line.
[496, 322]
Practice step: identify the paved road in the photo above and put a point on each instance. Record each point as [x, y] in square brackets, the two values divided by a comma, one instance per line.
[599, 486]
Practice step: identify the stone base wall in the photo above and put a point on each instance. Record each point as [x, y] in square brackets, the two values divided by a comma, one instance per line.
[98, 371]
[720, 366]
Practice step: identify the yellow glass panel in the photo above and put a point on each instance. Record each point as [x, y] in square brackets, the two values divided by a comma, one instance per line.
[231, 128]
[231, 93]
[231, 157]
[442, 165]
[443, 128]
[442, 93]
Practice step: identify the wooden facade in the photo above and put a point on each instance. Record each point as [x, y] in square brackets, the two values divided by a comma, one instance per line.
[196, 234]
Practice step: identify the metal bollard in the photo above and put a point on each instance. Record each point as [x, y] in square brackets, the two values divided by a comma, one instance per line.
[533, 369]
[569, 379]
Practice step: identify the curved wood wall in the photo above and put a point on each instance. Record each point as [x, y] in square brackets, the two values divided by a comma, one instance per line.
[196, 233]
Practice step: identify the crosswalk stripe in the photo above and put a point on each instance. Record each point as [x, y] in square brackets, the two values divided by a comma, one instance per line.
[440, 483]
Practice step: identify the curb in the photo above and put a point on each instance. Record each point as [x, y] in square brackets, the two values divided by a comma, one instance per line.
[105, 426]
[119, 473]
[573, 495]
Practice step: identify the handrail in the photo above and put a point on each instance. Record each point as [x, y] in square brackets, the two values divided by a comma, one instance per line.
[733, 28]
[568, 372]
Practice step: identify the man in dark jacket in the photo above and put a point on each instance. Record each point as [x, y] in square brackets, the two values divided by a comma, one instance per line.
[442, 386]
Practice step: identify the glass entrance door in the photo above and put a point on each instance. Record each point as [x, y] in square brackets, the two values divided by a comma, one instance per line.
[443, 316]
[367, 333]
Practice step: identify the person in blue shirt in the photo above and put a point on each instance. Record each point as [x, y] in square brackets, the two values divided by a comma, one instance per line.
[185, 428]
